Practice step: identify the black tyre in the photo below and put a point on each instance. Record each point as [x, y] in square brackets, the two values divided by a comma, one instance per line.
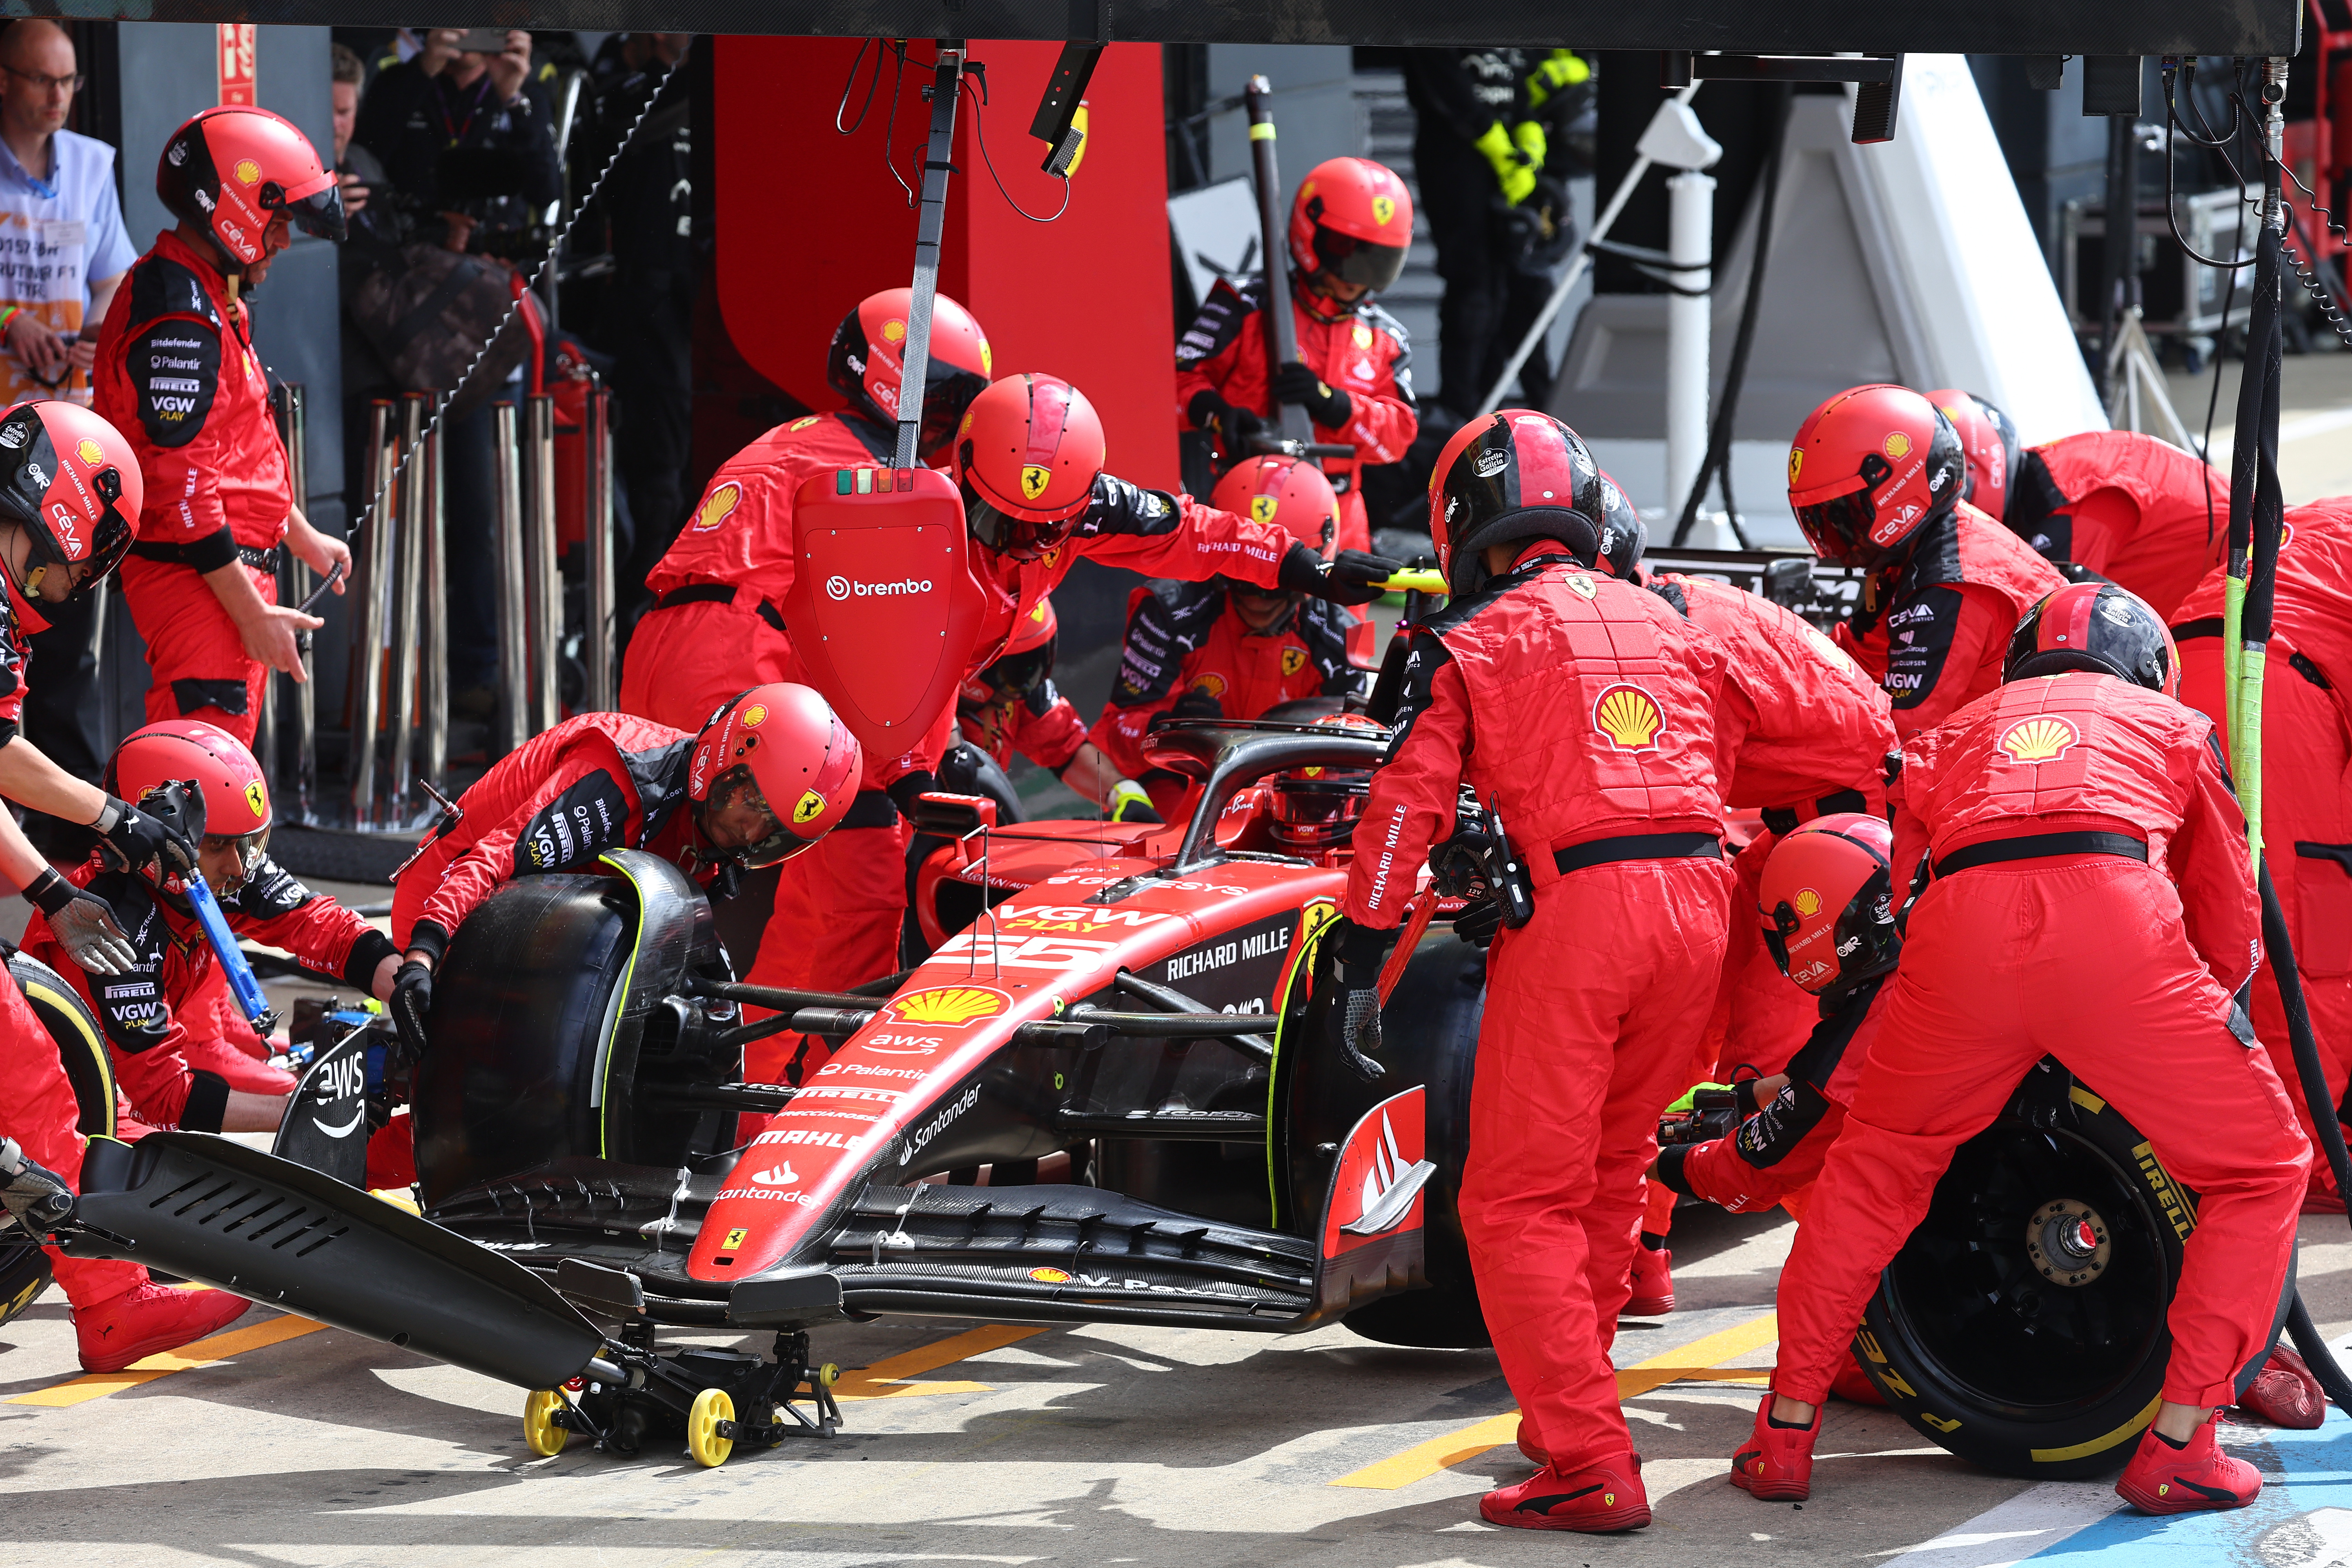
[82, 1050]
[2023, 1325]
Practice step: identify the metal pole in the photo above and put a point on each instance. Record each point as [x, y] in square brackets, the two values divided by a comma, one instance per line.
[303, 700]
[915, 365]
[435, 589]
[545, 586]
[1690, 243]
[367, 625]
[596, 444]
[1281, 331]
[408, 548]
[514, 666]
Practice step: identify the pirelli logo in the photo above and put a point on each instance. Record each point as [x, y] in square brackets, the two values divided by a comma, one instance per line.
[2177, 1204]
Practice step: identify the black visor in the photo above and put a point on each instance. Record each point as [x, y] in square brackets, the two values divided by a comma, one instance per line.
[319, 214]
[1354, 260]
[1839, 529]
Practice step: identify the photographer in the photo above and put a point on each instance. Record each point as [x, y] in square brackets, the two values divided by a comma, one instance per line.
[463, 142]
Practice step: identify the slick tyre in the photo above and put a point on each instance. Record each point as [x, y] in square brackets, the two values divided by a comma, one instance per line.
[25, 1271]
[2023, 1325]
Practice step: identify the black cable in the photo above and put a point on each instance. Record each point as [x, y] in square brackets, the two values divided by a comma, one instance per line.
[850, 86]
[890, 124]
[2172, 213]
[2213, 403]
[980, 132]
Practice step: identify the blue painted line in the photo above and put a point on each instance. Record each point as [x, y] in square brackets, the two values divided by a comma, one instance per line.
[2304, 1473]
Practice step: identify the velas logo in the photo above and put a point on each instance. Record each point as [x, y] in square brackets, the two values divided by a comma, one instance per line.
[837, 587]
[2044, 737]
[1808, 902]
[1033, 480]
[1629, 718]
[1294, 659]
[894, 331]
[90, 452]
[248, 171]
[810, 807]
[718, 506]
[1262, 509]
[755, 715]
[1897, 444]
[258, 798]
[952, 1005]
[1050, 1276]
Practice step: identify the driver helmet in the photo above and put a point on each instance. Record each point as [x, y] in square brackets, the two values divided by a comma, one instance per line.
[1869, 470]
[783, 744]
[229, 171]
[1027, 455]
[236, 798]
[1290, 493]
[864, 364]
[2099, 627]
[1990, 442]
[1316, 808]
[71, 480]
[1352, 219]
[1826, 900]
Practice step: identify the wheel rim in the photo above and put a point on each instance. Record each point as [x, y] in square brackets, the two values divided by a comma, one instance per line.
[2038, 1282]
[539, 1427]
[702, 1439]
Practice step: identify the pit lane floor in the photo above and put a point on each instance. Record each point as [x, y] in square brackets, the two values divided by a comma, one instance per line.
[971, 1443]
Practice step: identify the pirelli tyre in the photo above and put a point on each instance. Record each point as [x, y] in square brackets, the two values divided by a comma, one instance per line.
[81, 1049]
[2021, 1326]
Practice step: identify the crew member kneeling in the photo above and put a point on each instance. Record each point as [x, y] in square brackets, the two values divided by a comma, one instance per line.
[1583, 708]
[2092, 902]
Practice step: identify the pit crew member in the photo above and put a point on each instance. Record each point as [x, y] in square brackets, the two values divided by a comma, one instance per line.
[1584, 709]
[1351, 226]
[1012, 705]
[2137, 511]
[2091, 899]
[178, 374]
[1875, 477]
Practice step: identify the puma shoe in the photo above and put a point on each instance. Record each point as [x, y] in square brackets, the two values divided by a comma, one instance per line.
[2284, 1394]
[1653, 1283]
[2162, 1479]
[1777, 1464]
[148, 1318]
[1596, 1500]
[1530, 1449]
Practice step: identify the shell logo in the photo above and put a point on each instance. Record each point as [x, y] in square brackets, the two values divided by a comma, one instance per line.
[948, 1004]
[755, 715]
[1262, 509]
[718, 506]
[248, 171]
[1898, 445]
[1294, 659]
[90, 452]
[1796, 463]
[1363, 336]
[1808, 902]
[894, 331]
[1212, 684]
[810, 807]
[1629, 718]
[2044, 737]
[1050, 1276]
[258, 798]
[1383, 210]
[1033, 480]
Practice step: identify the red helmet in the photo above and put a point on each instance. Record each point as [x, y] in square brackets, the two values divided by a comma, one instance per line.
[785, 744]
[2099, 627]
[1990, 442]
[1029, 451]
[71, 479]
[1318, 807]
[1519, 475]
[1289, 492]
[1869, 470]
[864, 362]
[228, 781]
[1353, 218]
[231, 169]
[1827, 900]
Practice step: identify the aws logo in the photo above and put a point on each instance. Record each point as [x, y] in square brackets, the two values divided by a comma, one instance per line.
[954, 1005]
[2044, 737]
[1629, 718]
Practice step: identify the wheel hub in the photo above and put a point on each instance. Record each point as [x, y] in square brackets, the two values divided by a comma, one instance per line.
[2067, 1239]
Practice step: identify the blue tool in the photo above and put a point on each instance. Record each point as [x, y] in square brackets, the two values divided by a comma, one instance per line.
[247, 990]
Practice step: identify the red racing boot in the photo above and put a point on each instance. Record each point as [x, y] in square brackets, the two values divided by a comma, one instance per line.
[148, 1319]
[2162, 1479]
[2284, 1394]
[1653, 1282]
[1596, 1500]
[1777, 1465]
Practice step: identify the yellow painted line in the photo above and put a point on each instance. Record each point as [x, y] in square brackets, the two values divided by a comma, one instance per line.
[888, 1378]
[1695, 1360]
[204, 1352]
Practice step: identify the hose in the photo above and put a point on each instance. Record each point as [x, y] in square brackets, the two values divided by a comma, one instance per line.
[2322, 1105]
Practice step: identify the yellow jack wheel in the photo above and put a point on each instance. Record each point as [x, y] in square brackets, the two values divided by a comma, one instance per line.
[827, 1376]
[702, 1439]
[539, 1427]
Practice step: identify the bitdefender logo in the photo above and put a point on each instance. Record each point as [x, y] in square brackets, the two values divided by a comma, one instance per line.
[838, 587]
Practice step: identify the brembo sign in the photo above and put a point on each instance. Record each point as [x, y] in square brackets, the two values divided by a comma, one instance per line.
[838, 587]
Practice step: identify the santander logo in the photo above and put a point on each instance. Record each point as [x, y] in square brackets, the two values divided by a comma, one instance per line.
[783, 1175]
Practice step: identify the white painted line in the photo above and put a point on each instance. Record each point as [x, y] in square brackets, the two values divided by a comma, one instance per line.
[2033, 1520]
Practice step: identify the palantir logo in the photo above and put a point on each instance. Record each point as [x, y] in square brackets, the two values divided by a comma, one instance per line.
[837, 587]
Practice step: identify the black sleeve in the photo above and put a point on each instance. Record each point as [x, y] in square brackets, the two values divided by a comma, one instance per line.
[132, 1007]
[1423, 657]
[1121, 507]
[576, 826]
[1323, 628]
[1443, 88]
[1159, 635]
[207, 1102]
[269, 893]
[2036, 510]
[174, 366]
[372, 948]
[1918, 639]
[1216, 326]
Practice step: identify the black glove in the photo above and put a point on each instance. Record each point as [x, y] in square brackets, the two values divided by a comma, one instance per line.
[1478, 923]
[85, 923]
[36, 1197]
[136, 839]
[1349, 971]
[1197, 703]
[1354, 578]
[1327, 405]
[1231, 423]
[411, 998]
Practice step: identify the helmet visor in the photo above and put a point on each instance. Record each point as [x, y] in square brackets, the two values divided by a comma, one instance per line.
[248, 848]
[319, 214]
[947, 393]
[1358, 261]
[1839, 529]
[1017, 537]
[739, 812]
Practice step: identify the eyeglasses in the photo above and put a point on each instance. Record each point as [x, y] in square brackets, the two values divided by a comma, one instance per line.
[48, 83]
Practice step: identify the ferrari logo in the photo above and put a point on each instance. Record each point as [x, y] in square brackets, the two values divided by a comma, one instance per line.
[718, 506]
[1033, 480]
[90, 452]
[248, 171]
[2044, 737]
[810, 807]
[1363, 336]
[948, 1004]
[1581, 585]
[1898, 445]
[987, 360]
[258, 798]
[1294, 659]
[1262, 509]
[1383, 210]
[1796, 463]
[804, 422]
[1629, 718]
[1808, 902]
[735, 1239]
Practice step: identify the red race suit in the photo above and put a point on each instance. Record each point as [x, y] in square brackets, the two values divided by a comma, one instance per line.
[1364, 353]
[596, 782]
[2115, 948]
[1585, 707]
[177, 374]
[1934, 629]
[2138, 511]
[1187, 650]
[1015, 706]
[2307, 776]
[38, 1109]
[154, 1014]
